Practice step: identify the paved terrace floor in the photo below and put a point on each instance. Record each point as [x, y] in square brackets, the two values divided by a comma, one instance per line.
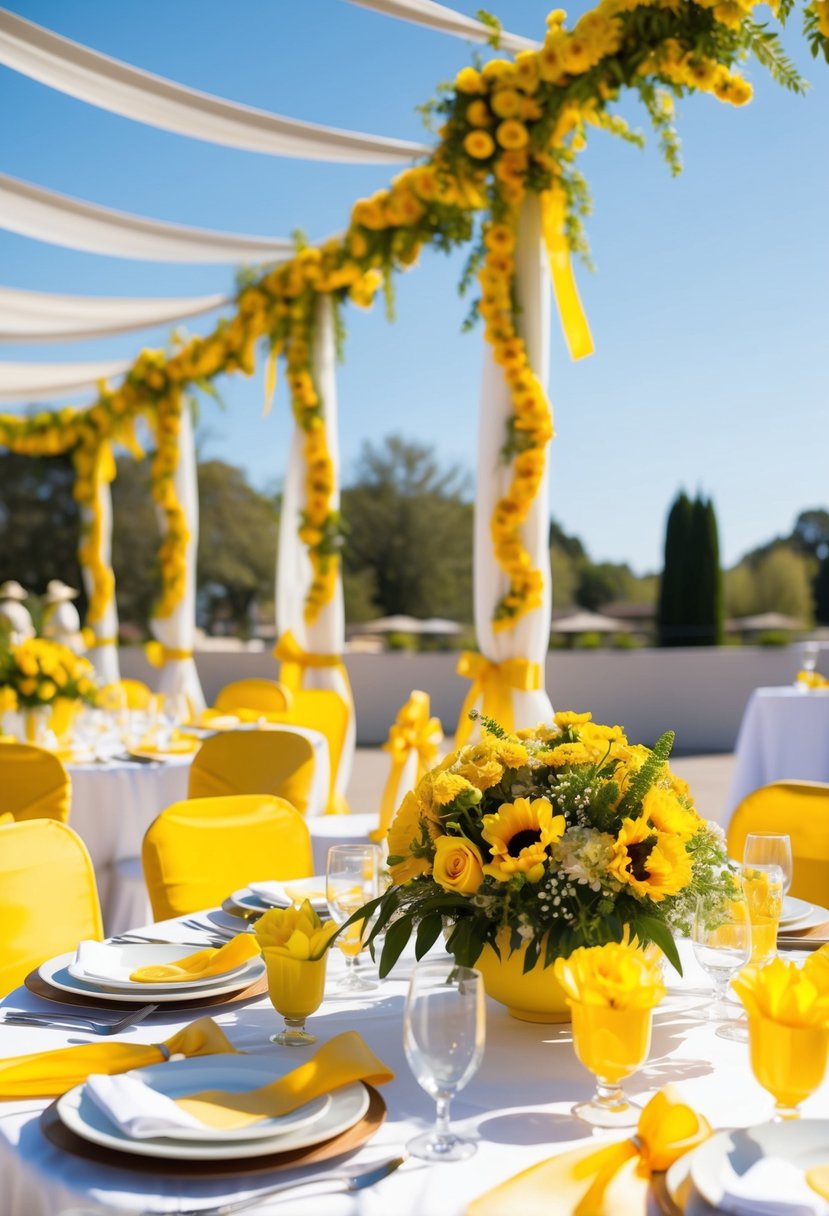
[709, 777]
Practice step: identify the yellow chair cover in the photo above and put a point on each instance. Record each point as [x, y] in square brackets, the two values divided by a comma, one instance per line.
[255, 695]
[33, 783]
[801, 809]
[325, 711]
[197, 853]
[48, 897]
[125, 694]
[254, 762]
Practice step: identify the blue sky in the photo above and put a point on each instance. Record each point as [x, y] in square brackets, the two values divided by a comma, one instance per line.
[708, 306]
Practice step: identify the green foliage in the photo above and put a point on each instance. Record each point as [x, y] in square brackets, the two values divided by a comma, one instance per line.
[493, 25]
[648, 774]
[690, 611]
[765, 45]
[39, 522]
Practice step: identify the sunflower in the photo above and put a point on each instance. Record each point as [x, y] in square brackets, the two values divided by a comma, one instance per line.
[652, 863]
[411, 836]
[667, 814]
[479, 144]
[519, 836]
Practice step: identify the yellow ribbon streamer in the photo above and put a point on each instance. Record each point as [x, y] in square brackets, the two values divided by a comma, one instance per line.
[91, 640]
[412, 731]
[295, 661]
[493, 684]
[158, 654]
[602, 1182]
[270, 379]
[573, 320]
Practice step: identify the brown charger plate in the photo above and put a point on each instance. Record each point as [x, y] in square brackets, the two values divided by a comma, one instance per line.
[35, 982]
[346, 1142]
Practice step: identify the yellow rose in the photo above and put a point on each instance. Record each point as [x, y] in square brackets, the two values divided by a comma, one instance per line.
[458, 865]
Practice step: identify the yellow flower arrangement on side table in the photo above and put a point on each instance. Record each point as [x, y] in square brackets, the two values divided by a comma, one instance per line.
[294, 944]
[524, 847]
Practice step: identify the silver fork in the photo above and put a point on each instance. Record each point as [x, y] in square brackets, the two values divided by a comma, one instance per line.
[325, 1184]
[77, 1021]
[214, 930]
[135, 939]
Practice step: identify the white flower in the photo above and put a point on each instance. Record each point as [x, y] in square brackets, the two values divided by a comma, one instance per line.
[584, 854]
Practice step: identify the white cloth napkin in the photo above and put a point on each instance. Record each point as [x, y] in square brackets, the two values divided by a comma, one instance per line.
[281, 894]
[772, 1187]
[98, 961]
[137, 1110]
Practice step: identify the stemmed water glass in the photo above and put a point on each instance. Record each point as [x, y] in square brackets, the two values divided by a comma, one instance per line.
[444, 1028]
[721, 937]
[352, 880]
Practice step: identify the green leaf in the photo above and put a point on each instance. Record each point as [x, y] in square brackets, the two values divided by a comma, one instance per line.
[428, 933]
[651, 929]
[397, 938]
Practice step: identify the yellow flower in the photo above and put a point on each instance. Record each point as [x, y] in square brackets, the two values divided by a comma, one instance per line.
[477, 114]
[512, 134]
[458, 865]
[566, 718]
[506, 103]
[618, 975]
[499, 238]
[566, 753]
[468, 80]
[479, 145]
[445, 788]
[297, 932]
[411, 826]
[519, 835]
[667, 814]
[785, 993]
[47, 690]
[651, 863]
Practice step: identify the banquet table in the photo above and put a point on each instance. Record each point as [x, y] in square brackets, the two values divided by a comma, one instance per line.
[114, 801]
[784, 736]
[517, 1106]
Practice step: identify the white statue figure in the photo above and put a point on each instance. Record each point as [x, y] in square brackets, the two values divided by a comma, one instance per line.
[61, 622]
[14, 612]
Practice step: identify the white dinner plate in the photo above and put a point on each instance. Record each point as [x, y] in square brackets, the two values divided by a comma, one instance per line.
[55, 971]
[720, 1161]
[124, 958]
[795, 910]
[80, 1114]
[291, 891]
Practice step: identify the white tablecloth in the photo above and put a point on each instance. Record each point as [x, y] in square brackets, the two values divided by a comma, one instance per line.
[113, 804]
[518, 1106]
[784, 736]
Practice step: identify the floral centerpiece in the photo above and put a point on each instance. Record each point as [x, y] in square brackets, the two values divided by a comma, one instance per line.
[38, 672]
[545, 840]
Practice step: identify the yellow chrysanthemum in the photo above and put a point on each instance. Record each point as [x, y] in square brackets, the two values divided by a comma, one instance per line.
[651, 863]
[445, 788]
[512, 134]
[483, 774]
[519, 836]
[661, 808]
[566, 753]
[566, 718]
[479, 144]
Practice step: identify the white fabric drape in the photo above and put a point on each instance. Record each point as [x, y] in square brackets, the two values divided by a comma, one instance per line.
[447, 21]
[103, 658]
[178, 631]
[59, 219]
[293, 573]
[44, 381]
[530, 637]
[122, 89]
[37, 316]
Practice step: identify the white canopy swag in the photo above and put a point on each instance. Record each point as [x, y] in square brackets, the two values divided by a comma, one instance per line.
[37, 316]
[122, 89]
[62, 220]
[447, 21]
[36, 382]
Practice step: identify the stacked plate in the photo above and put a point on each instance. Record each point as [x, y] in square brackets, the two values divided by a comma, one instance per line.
[105, 1124]
[106, 975]
[796, 912]
[258, 897]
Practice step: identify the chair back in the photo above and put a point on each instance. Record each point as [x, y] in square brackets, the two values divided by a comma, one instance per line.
[801, 810]
[125, 694]
[257, 696]
[275, 762]
[198, 852]
[33, 783]
[323, 710]
[48, 898]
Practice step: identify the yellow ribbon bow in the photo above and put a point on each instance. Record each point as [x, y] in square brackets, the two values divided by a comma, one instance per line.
[158, 654]
[295, 661]
[573, 320]
[91, 640]
[602, 1182]
[412, 731]
[492, 684]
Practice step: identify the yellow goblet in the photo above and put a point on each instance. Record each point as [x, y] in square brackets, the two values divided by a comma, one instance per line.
[763, 886]
[788, 1061]
[296, 987]
[612, 1044]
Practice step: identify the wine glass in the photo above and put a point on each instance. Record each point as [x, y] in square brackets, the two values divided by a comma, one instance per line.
[763, 886]
[352, 879]
[444, 1027]
[722, 946]
[788, 1061]
[612, 1044]
[808, 663]
[296, 988]
[768, 849]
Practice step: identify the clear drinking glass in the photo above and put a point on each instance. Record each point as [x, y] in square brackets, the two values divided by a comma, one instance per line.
[763, 883]
[722, 947]
[444, 1028]
[352, 879]
[768, 849]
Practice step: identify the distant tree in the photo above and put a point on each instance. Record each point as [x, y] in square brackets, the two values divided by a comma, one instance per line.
[810, 534]
[705, 594]
[135, 541]
[783, 584]
[821, 593]
[409, 526]
[674, 587]
[39, 522]
[740, 591]
[565, 578]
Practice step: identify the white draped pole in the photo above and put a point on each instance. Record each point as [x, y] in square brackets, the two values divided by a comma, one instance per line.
[177, 632]
[326, 635]
[447, 21]
[529, 639]
[103, 653]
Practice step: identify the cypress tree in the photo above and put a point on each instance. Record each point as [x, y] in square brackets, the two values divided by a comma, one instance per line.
[674, 585]
[821, 593]
[704, 618]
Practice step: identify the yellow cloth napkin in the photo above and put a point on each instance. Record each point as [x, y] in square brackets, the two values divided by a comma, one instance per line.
[47, 1074]
[178, 746]
[818, 1180]
[344, 1059]
[602, 1182]
[202, 964]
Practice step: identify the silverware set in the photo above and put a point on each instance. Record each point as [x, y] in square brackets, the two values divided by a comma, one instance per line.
[69, 1020]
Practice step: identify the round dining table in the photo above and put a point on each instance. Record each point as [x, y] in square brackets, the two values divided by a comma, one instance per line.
[517, 1107]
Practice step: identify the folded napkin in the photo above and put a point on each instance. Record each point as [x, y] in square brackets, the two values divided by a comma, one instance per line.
[772, 1187]
[344, 1059]
[202, 964]
[176, 747]
[602, 1182]
[214, 719]
[47, 1074]
[280, 893]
